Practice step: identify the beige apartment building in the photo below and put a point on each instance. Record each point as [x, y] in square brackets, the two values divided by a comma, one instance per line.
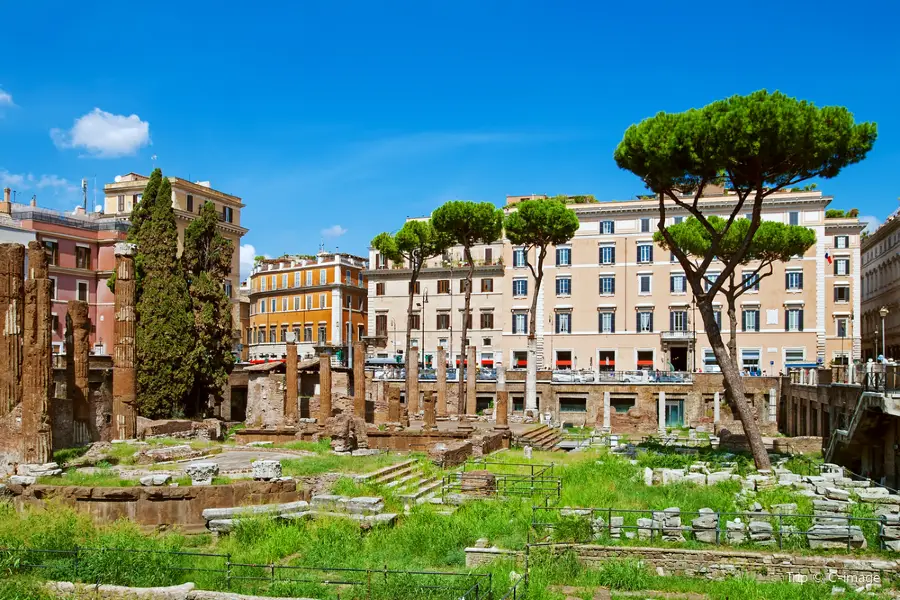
[125, 192]
[612, 300]
[880, 292]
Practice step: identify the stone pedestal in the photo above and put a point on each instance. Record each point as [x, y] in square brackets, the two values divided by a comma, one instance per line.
[471, 379]
[428, 408]
[124, 377]
[12, 298]
[661, 416]
[412, 382]
[78, 348]
[324, 389]
[607, 418]
[501, 410]
[717, 404]
[359, 380]
[290, 385]
[773, 410]
[37, 366]
[441, 382]
[501, 377]
[393, 395]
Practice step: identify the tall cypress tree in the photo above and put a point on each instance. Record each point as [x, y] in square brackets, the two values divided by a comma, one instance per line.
[207, 262]
[164, 340]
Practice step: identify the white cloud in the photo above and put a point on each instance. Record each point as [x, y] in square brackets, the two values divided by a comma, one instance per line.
[14, 180]
[333, 231]
[6, 98]
[27, 181]
[872, 223]
[104, 135]
[248, 257]
[55, 182]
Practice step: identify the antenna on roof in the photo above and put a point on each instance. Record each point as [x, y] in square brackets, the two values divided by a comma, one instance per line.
[84, 192]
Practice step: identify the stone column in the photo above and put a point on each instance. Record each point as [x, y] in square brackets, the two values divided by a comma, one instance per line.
[12, 298]
[290, 385]
[428, 408]
[471, 379]
[412, 382]
[124, 376]
[607, 418]
[716, 406]
[393, 397]
[324, 388]
[501, 410]
[37, 362]
[661, 408]
[78, 351]
[441, 382]
[501, 377]
[890, 455]
[773, 406]
[359, 379]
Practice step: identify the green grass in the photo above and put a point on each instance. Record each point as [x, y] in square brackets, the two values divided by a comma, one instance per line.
[330, 463]
[66, 455]
[109, 478]
[321, 447]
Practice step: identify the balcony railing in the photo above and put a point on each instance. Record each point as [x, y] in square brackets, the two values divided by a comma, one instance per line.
[399, 374]
[876, 377]
[586, 376]
[677, 336]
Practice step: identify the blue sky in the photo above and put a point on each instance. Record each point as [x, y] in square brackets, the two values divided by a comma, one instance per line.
[336, 120]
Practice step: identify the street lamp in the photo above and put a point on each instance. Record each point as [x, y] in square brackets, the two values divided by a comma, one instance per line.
[883, 311]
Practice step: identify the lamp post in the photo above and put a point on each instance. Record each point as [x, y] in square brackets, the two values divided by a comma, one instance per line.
[883, 311]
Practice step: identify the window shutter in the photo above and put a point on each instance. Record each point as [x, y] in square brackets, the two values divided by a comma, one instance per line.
[787, 319]
[671, 321]
[800, 320]
[651, 254]
[801, 280]
[787, 281]
[637, 326]
[612, 323]
[612, 255]
[744, 320]
[613, 286]
[835, 267]
[651, 320]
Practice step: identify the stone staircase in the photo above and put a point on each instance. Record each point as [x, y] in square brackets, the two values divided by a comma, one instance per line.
[407, 480]
[541, 437]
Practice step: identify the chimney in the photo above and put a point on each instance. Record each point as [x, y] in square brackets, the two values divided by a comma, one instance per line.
[34, 200]
[5, 206]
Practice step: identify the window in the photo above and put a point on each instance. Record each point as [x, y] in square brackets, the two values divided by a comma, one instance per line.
[415, 321]
[678, 320]
[485, 341]
[323, 338]
[443, 286]
[709, 279]
[520, 323]
[607, 255]
[672, 257]
[297, 279]
[488, 256]
[678, 283]
[82, 257]
[563, 257]
[417, 288]
[359, 279]
[710, 364]
[51, 249]
[82, 292]
[621, 405]
[121, 202]
[572, 405]
[227, 214]
[487, 320]
[348, 302]
[309, 302]
[323, 276]
[309, 277]
[645, 225]
[468, 323]
[842, 293]
[644, 284]
[190, 203]
[262, 306]
[750, 359]
[274, 282]
[677, 220]
[842, 266]
[443, 320]
[607, 285]
[297, 306]
[272, 333]
[226, 285]
[379, 289]
[261, 335]
[645, 359]
[751, 319]
[841, 241]
[272, 306]
[793, 218]
[563, 286]
[645, 321]
[794, 319]
[323, 300]
[607, 227]
[519, 257]
[717, 317]
[606, 321]
[751, 281]
[262, 284]
[487, 285]
[519, 359]
[284, 330]
[463, 286]
[645, 253]
[284, 280]
[794, 355]
[842, 323]
[380, 326]
[520, 287]
[793, 280]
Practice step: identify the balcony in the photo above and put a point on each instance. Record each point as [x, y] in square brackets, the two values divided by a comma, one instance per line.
[677, 336]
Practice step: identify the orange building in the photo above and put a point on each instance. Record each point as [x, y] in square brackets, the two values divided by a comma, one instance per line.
[321, 299]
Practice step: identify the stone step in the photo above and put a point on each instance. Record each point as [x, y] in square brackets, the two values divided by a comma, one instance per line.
[431, 487]
[385, 470]
[394, 475]
[406, 479]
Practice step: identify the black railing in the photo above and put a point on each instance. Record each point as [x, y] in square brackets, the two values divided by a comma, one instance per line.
[92, 223]
[149, 568]
[504, 480]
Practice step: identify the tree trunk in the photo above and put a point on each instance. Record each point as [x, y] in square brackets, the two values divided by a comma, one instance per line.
[531, 367]
[409, 314]
[461, 400]
[734, 385]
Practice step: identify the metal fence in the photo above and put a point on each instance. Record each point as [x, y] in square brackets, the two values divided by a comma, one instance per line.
[637, 377]
[550, 526]
[503, 480]
[147, 568]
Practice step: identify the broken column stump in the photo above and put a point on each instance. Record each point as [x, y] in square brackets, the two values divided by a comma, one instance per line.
[37, 364]
[124, 376]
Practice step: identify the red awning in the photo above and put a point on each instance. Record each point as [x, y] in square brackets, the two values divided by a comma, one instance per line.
[465, 363]
[522, 363]
[487, 363]
[645, 363]
[564, 363]
[607, 362]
